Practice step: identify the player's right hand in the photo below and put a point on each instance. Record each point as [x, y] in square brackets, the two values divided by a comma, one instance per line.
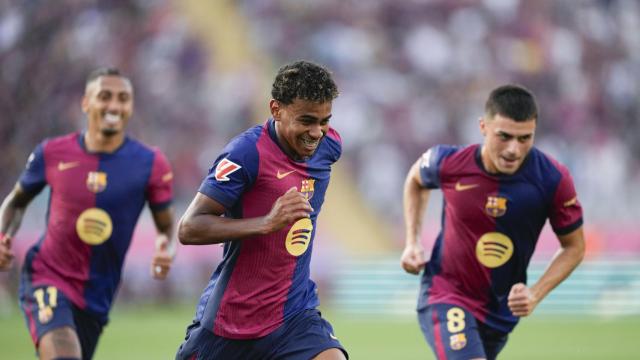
[288, 208]
[413, 259]
[6, 255]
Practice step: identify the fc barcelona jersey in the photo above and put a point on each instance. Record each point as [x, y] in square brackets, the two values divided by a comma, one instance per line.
[264, 280]
[95, 201]
[490, 227]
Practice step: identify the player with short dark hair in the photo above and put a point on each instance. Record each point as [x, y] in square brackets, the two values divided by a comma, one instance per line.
[99, 181]
[497, 198]
[261, 200]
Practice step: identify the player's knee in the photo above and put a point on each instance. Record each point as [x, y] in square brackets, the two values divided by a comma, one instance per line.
[60, 343]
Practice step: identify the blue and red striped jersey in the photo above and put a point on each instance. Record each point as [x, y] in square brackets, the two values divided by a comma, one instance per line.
[490, 227]
[94, 204]
[264, 280]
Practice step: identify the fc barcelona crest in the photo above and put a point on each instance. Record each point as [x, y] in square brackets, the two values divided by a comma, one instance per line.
[496, 206]
[96, 181]
[457, 341]
[306, 188]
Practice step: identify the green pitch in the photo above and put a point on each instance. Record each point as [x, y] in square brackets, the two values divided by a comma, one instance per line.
[155, 332]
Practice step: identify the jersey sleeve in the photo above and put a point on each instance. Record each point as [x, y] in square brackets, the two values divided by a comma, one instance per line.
[430, 164]
[566, 211]
[160, 185]
[234, 171]
[33, 178]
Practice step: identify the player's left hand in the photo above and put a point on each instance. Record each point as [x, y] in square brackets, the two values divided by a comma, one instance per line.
[521, 302]
[162, 258]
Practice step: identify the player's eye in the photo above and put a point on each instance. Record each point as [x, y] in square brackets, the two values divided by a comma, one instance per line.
[104, 96]
[505, 137]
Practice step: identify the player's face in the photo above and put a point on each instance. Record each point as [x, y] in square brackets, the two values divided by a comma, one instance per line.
[506, 143]
[301, 125]
[108, 103]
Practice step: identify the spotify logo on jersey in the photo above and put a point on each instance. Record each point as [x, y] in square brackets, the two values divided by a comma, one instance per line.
[299, 237]
[94, 226]
[494, 249]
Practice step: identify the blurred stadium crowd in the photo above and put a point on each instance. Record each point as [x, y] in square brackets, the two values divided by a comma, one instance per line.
[412, 74]
[415, 73]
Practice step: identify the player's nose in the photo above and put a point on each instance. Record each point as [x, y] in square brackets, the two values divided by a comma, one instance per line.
[315, 131]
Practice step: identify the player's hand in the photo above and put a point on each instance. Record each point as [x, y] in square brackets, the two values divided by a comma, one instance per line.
[413, 259]
[288, 208]
[521, 302]
[162, 258]
[6, 255]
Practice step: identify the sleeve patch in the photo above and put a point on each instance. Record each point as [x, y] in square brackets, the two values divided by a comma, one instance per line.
[225, 168]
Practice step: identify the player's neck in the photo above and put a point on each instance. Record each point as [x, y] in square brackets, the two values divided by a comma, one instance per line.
[486, 161]
[97, 142]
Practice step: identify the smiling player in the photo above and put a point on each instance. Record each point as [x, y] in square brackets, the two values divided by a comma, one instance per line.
[261, 199]
[497, 198]
[99, 180]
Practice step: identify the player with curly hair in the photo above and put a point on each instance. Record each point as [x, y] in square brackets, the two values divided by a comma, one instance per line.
[261, 199]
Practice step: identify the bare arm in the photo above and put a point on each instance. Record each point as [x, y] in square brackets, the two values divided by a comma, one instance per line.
[415, 199]
[11, 213]
[165, 248]
[523, 300]
[202, 223]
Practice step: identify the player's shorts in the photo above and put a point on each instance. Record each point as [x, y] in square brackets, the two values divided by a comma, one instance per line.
[302, 337]
[45, 309]
[453, 333]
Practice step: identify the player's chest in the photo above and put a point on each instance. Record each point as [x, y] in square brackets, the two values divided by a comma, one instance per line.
[277, 177]
[119, 179]
[473, 197]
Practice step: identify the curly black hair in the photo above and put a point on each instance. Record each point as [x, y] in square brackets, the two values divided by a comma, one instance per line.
[303, 80]
[513, 101]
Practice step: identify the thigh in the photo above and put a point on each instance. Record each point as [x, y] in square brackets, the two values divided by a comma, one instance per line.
[45, 309]
[307, 336]
[60, 343]
[88, 329]
[493, 340]
[451, 331]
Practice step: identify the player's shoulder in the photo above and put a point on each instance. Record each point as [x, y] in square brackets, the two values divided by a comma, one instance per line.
[62, 141]
[247, 138]
[133, 145]
[332, 144]
[545, 162]
[455, 153]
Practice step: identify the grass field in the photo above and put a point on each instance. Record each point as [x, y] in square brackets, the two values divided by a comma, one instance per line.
[155, 333]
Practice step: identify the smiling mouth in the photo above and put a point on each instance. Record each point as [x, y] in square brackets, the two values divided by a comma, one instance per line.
[310, 144]
[112, 119]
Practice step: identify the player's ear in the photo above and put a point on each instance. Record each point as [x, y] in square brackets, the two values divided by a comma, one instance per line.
[274, 107]
[85, 104]
[483, 126]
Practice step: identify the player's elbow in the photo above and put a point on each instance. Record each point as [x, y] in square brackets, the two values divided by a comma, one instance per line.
[187, 232]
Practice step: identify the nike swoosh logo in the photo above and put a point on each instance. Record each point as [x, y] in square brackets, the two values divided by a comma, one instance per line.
[333, 336]
[280, 175]
[462, 187]
[62, 166]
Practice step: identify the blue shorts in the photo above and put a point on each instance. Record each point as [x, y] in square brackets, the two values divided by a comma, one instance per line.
[45, 309]
[302, 337]
[453, 333]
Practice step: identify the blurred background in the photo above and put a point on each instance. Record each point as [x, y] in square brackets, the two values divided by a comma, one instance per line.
[412, 74]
